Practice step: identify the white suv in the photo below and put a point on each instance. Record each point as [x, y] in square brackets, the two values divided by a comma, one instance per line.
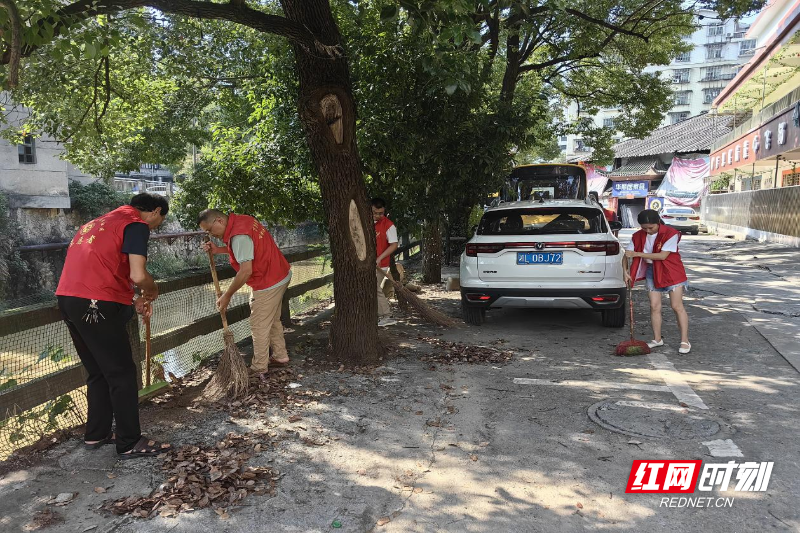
[545, 254]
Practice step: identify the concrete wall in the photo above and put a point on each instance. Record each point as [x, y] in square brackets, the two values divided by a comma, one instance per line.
[765, 215]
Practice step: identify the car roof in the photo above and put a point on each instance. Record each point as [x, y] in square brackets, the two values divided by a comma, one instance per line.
[547, 203]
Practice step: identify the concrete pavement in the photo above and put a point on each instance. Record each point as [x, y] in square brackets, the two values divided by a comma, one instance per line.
[542, 444]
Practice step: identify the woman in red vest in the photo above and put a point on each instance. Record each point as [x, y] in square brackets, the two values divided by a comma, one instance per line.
[96, 298]
[656, 259]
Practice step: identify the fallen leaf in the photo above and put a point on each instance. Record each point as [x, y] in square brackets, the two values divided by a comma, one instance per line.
[99, 490]
[382, 521]
[361, 472]
[111, 475]
[295, 418]
[417, 490]
[483, 444]
[473, 457]
[579, 505]
[636, 442]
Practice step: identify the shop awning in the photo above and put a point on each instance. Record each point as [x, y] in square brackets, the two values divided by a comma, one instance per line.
[639, 168]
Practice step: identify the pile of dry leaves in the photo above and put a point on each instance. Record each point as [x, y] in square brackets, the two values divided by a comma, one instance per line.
[201, 477]
[449, 353]
[280, 389]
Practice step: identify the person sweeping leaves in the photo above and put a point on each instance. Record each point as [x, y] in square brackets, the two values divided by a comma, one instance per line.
[259, 263]
[656, 259]
[96, 298]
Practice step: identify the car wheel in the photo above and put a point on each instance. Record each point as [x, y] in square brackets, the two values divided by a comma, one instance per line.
[695, 232]
[473, 315]
[614, 318]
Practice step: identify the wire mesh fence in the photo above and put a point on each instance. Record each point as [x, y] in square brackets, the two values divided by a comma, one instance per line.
[41, 377]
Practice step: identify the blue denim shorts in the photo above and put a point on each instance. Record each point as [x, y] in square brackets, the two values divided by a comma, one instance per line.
[648, 276]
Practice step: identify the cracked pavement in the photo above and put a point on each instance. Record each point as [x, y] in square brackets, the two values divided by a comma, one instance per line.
[423, 446]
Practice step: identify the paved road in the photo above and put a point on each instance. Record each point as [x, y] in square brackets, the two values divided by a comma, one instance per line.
[485, 448]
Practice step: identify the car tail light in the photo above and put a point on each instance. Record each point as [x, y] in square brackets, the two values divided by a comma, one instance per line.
[694, 218]
[473, 249]
[607, 298]
[478, 297]
[609, 247]
[667, 216]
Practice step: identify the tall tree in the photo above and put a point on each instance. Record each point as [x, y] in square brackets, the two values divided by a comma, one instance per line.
[325, 107]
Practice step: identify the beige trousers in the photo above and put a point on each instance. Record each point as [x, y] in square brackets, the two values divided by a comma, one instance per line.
[266, 327]
[383, 303]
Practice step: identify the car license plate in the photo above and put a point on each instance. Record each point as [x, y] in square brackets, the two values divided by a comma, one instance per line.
[681, 218]
[540, 258]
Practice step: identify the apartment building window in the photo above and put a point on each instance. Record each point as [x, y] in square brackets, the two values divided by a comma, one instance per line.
[683, 57]
[562, 147]
[740, 29]
[682, 98]
[714, 51]
[747, 48]
[710, 94]
[715, 28]
[27, 150]
[712, 73]
[563, 138]
[608, 122]
[678, 117]
[680, 75]
[791, 179]
[580, 146]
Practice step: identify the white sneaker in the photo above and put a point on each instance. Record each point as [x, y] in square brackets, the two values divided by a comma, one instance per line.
[388, 321]
[685, 348]
[655, 344]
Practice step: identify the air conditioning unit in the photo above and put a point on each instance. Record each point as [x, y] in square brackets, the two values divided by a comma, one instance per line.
[729, 36]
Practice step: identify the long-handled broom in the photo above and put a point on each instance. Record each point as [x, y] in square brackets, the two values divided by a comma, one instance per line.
[230, 378]
[428, 313]
[632, 346]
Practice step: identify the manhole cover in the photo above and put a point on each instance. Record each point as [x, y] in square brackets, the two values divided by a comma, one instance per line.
[652, 420]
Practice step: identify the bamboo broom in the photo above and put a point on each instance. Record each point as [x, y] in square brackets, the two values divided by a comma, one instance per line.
[231, 378]
[427, 312]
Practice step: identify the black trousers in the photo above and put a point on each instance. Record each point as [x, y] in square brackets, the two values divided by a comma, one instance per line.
[105, 351]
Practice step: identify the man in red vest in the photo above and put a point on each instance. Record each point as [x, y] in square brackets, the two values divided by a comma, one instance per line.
[385, 246]
[105, 259]
[259, 263]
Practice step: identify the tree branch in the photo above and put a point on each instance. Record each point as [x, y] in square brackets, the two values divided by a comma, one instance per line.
[15, 46]
[236, 12]
[603, 23]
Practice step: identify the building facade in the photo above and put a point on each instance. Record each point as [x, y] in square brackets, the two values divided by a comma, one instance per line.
[755, 166]
[719, 48]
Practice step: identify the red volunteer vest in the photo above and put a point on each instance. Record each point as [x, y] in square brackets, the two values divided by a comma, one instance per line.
[269, 264]
[95, 267]
[381, 240]
[666, 273]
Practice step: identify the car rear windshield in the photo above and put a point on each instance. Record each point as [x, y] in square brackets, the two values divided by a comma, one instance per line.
[542, 221]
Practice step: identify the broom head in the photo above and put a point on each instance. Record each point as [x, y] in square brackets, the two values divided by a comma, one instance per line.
[231, 378]
[632, 347]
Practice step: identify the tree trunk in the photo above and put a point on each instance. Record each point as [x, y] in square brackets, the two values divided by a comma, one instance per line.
[432, 251]
[328, 114]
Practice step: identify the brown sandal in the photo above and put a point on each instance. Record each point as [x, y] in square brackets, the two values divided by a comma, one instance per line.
[146, 448]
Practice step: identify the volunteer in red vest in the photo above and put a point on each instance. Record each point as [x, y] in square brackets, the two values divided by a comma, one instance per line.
[103, 280]
[259, 263]
[385, 246]
[656, 259]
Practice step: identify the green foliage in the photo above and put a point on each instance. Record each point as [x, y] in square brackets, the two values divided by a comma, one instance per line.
[43, 420]
[12, 266]
[53, 353]
[94, 199]
[722, 183]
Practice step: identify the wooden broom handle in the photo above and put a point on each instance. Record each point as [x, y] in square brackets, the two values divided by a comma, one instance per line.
[630, 305]
[216, 287]
[147, 348]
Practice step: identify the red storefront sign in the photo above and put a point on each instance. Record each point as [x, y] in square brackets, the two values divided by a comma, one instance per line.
[779, 135]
